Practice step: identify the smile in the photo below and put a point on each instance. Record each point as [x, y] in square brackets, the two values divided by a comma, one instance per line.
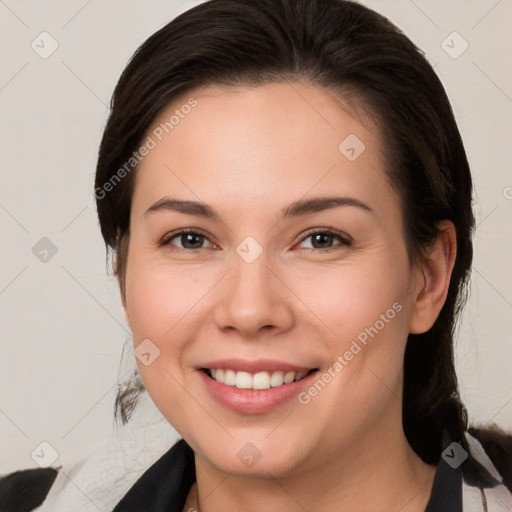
[257, 381]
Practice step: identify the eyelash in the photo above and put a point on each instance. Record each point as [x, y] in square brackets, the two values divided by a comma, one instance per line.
[345, 240]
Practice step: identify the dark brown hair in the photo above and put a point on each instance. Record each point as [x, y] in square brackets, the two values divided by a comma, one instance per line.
[354, 52]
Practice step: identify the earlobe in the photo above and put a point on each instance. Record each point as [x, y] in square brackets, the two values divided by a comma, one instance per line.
[433, 279]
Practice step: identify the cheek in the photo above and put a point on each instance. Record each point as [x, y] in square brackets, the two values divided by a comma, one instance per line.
[158, 302]
[350, 298]
[158, 297]
[364, 314]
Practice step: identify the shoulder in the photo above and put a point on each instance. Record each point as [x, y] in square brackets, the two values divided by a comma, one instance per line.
[26, 489]
[94, 480]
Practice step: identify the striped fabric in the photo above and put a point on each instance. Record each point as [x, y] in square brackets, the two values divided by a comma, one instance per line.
[488, 495]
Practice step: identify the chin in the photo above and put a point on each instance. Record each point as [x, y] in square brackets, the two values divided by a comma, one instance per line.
[259, 457]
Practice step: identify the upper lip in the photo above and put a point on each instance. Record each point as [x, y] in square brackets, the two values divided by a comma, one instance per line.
[257, 365]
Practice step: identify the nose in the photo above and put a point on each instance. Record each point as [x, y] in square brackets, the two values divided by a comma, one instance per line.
[253, 299]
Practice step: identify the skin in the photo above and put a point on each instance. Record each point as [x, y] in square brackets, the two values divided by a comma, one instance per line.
[249, 153]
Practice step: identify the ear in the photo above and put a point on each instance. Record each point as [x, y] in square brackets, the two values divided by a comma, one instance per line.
[122, 294]
[432, 279]
[122, 291]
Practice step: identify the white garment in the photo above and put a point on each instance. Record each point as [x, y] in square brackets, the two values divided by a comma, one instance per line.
[96, 483]
[499, 498]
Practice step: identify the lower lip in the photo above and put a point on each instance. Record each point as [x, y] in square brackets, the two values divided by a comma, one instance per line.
[250, 401]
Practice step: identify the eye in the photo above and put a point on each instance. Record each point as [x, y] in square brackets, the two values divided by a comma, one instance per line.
[322, 238]
[190, 239]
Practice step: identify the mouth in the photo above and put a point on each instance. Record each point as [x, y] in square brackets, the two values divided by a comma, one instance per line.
[257, 381]
[255, 391]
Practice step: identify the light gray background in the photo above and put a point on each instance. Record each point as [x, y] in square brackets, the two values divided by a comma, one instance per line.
[62, 325]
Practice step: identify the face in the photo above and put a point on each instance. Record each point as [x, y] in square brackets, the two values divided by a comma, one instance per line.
[275, 279]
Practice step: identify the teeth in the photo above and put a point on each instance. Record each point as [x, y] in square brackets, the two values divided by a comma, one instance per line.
[260, 380]
[243, 380]
[229, 377]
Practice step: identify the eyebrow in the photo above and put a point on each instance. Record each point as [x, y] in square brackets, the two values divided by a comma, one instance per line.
[295, 209]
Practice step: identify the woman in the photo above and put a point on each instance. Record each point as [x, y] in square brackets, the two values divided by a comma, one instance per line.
[288, 200]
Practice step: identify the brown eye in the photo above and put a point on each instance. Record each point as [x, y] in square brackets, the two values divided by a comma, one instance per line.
[322, 239]
[189, 239]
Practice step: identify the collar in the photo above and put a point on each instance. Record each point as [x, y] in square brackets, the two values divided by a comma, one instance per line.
[164, 487]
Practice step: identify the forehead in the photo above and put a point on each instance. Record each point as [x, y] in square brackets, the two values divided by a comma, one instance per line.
[260, 143]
